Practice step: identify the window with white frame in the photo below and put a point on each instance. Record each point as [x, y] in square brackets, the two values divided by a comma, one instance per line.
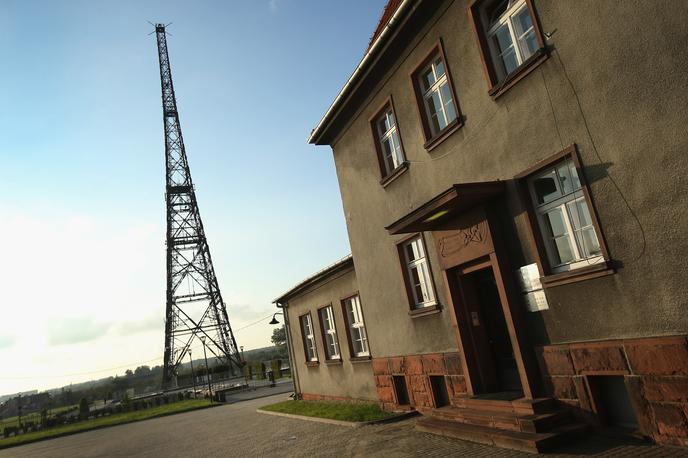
[510, 34]
[417, 273]
[356, 327]
[562, 210]
[387, 136]
[329, 333]
[308, 338]
[437, 95]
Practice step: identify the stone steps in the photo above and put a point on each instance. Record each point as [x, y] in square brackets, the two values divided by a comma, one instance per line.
[532, 442]
[534, 423]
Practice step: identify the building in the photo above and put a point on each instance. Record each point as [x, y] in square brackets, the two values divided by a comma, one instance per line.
[513, 176]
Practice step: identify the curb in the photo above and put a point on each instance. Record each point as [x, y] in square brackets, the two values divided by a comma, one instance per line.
[350, 424]
[257, 397]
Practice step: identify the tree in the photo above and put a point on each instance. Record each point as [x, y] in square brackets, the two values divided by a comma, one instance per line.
[128, 373]
[83, 408]
[279, 337]
[142, 370]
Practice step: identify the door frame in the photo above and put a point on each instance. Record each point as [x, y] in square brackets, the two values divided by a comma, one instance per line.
[474, 253]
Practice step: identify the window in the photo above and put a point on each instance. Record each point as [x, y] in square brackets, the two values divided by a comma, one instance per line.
[564, 217]
[329, 333]
[417, 273]
[358, 338]
[437, 103]
[387, 141]
[308, 338]
[508, 35]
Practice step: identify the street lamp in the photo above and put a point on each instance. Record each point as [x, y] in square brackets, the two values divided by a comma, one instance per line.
[207, 372]
[193, 377]
[274, 320]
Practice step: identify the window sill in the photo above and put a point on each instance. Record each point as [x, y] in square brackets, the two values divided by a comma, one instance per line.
[424, 311]
[440, 136]
[360, 359]
[396, 173]
[312, 363]
[581, 274]
[333, 362]
[517, 75]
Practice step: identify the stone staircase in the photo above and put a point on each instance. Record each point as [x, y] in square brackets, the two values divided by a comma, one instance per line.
[530, 425]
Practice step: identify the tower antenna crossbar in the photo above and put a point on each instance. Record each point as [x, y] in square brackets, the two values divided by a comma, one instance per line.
[192, 287]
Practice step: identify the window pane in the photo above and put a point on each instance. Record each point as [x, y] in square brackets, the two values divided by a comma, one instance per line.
[576, 184]
[382, 127]
[448, 102]
[591, 246]
[503, 39]
[439, 68]
[427, 79]
[565, 178]
[564, 249]
[580, 216]
[545, 187]
[435, 105]
[528, 44]
[557, 226]
[509, 60]
[398, 156]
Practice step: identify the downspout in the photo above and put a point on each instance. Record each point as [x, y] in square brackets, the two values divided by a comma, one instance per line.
[367, 57]
[290, 352]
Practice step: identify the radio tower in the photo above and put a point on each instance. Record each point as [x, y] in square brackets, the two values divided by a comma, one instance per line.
[195, 308]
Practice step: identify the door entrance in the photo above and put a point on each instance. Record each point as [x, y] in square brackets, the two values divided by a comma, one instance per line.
[494, 366]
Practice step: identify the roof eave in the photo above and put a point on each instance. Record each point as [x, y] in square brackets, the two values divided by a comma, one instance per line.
[315, 137]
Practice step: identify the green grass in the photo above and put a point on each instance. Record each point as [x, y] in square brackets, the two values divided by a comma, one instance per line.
[33, 416]
[345, 411]
[112, 420]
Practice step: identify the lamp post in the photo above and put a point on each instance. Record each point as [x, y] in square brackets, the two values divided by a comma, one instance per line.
[207, 372]
[292, 369]
[193, 377]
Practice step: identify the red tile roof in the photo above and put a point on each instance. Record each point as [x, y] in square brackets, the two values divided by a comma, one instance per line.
[387, 14]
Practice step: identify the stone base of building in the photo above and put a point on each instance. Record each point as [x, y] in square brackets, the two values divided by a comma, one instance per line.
[417, 372]
[654, 372]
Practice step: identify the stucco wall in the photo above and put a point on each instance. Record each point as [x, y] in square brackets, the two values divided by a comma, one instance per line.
[617, 86]
[351, 380]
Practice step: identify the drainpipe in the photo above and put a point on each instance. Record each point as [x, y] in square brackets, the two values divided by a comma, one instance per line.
[290, 351]
[358, 72]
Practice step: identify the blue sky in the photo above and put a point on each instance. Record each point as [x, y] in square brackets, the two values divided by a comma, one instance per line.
[82, 166]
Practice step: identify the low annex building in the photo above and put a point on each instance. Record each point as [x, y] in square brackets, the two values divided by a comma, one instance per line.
[327, 337]
[513, 178]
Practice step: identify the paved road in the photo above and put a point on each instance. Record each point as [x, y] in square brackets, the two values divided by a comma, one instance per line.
[237, 430]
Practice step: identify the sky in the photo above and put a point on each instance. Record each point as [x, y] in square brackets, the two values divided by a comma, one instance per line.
[82, 274]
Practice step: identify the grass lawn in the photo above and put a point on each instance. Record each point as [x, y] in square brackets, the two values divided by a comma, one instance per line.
[115, 419]
[346, 411]
[33, 416]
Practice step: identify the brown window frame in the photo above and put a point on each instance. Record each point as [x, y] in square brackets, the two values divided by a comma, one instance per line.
[309, 362]
[352, 357]
[387, 177]
[550, 279]
[432, 140]
[497, 87]
[328, 358]
[413, 310]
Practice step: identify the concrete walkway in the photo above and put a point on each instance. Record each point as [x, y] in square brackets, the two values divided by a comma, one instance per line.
[237, 430]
